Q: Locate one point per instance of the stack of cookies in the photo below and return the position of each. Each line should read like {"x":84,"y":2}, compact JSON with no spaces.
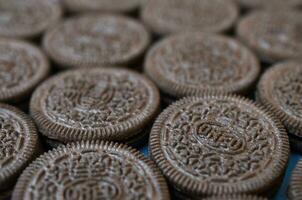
{"x":149,"y":99}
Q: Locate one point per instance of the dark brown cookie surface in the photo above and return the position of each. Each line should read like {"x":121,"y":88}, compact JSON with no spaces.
{"x":269,"y":3}
{"x":90,"y":40}
{"x":295,"y":186}
{"x":192,"y":63}
{"x":102,"y":5}
{"x":18,"y":144}
{"x":281,"y":89}
{"x":274,"y":34}
{"x":170,"y":16}
{"x":22,"y":68}
{"x":95,"y":103}
{"x":213,"y":145}
{"x":91,"y":170}
{"x":236,"y":197}
{"x":28,"y":18}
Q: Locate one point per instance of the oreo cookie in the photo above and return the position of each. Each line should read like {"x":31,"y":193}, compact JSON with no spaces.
{"x":280,"y":89}
{"x":275,"y":35}
{"x":91,"y":170}
{"x":121,"y":6}
{"x":18,"y":146}
{"x":22,"y":67}
{"x":96,"y":39}
{"x":237,"y":197}
{"x":295,"y":186}
{"x":269,"y":4}
{"x":219,"y":145}
{"x":190,"y":64}
{"x":171,"y":16}
{"x":28,"y":18}
{"x":95,"y":103}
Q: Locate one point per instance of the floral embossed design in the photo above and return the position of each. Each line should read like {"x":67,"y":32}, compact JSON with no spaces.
{"x":288,"y":92}
{"x":218,"y":141}
{"x":197,"y":61}
{"x":18,"y":65}
{"x":177,"y":15}
{"x":11,"y":138}
{"x":91,"y":174}
{"x":96,"y":99}
{"x":97,"y":39}
{"x":26,"y":16}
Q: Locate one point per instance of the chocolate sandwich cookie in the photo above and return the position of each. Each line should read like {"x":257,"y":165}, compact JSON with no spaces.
{"x":18,"y":145}
{"x":95,"y":103}
{"x":28,"y":18}
{"x":122,"y":6}
{"x":96,"y":39}
{"x":190,"y":64}
{"x":215,"y":144}
{"x":280,"y":89}
{"x":270,"y":3}
{"x":22,"y":67}
{"x":91,"y":170}
{"x":171,"y":16}
{"x":274,"y":35}
{"x":295,"y":186}
{"x":236,"y":197}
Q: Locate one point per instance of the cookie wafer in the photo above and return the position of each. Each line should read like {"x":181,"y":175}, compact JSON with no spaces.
{"x":280,"y":90}
{"x":237,"y":197}
{"x":18,"y":145}
{"x":96,"y":103}
{"x":275,"y":35}
{"x":22,"y":67}
{"x":91,"y":170}
{"x":96,"y":39}
{"x":123,"y":6}
{"x":28,"y":18}
{"x":172,"y":16}
{"x":295,"y":186}
{"x":192,"y":63}
{"x":216,"y":144}
{"x":269,"y":3}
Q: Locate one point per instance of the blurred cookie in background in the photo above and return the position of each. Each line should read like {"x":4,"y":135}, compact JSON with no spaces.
{"x":172,"y":16}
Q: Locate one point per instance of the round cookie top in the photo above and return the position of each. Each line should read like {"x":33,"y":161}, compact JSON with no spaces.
{"x":22,"y":67}
{"x":18,"y":144}
{"x":170,"y":16}
{"x":281,"y":88}
{"x":27,"y":18}
{"x":189,"y":64}
{"x":96,"y":39}
{"x":269,"y":4}
{"x":295,"y":185}
{"x":214,"y":144}
{"x":94,"y":103}
{"x":274,"y":34}
{"x":91,"y":170}
{"x":102,"y":5}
